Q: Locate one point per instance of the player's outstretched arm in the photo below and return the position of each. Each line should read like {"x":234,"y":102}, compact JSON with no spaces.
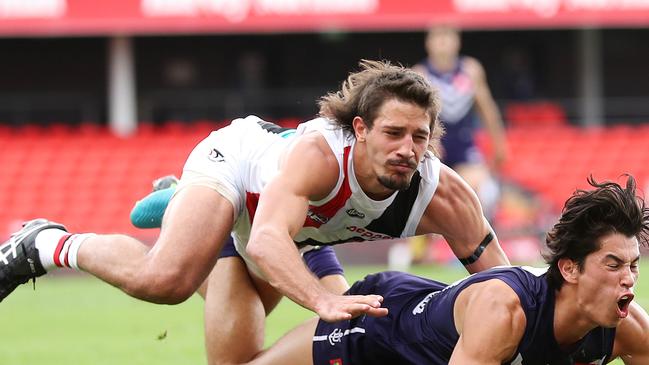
{"x":491,"y":323}
{"x":308,"y":172}
{"x":455,"y":213}
{"x":632,"y":337}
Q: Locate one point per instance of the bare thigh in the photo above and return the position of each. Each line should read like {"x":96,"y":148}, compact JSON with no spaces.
{"x":295,"y":348}
{"x":236,"y":306}
{"x":234,"y":314}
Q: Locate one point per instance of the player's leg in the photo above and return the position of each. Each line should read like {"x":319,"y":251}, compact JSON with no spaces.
{"x":170,"y":272}
{"x":478,"y":176}
{"x":234,"y":314}
{"x":182,"y":257}
{"x":295,"y":348}
{"x":237,"y":302}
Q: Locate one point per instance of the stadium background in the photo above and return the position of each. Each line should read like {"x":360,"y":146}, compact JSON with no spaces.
{"x":99,"y":98}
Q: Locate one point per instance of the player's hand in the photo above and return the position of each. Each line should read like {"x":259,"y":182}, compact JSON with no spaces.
{"x":333,"y":308}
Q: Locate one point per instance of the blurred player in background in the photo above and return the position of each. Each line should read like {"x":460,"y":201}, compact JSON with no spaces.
{"x":579,"y":310}
{"x":463,"y":88}
{"x":361,"y":172}
{"x":466,"y":101}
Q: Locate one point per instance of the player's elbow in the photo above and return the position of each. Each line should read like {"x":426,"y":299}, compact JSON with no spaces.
{"x":261,"y":241}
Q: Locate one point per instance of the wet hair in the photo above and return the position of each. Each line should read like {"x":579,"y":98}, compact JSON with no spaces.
{"x":589,"y":215}
{"x":365,"y":91}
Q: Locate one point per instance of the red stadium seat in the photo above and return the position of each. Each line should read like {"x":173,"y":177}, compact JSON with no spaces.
{"x":534,"y":114}
{"x":90,"y":179}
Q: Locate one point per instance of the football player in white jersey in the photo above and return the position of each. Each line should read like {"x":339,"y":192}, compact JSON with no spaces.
{"x":362,"y":171}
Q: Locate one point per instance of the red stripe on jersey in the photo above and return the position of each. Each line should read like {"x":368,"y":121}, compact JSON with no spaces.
{"x":252,"y":200}
{"x":59,"y":247}
{"x":318,"y":216}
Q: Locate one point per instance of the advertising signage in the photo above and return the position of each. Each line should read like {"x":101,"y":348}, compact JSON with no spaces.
{"x":103,"y":17}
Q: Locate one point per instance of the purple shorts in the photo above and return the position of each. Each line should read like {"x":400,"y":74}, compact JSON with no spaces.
{"x":321,"y":261}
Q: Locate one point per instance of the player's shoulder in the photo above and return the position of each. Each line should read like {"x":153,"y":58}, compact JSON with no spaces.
{"x":632,"y":335}
{"x":310,"y":163}
{"x":452,"y":186}
{"x":312,"y":146}
{"x":472,"y":66}
{"x":498,"y":292}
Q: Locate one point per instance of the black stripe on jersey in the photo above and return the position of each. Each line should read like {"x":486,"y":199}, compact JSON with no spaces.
{"x":272,"y":127}
{"x":394,"y":218}
{"x":312,"y":242}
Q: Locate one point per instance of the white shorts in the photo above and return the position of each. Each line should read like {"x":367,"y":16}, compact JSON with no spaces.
{"x":234,"y":160}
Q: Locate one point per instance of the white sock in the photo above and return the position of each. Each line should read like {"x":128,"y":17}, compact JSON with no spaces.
{"x":58,"y":248}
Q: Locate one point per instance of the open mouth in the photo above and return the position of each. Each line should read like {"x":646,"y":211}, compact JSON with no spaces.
{"x":623,"y":305}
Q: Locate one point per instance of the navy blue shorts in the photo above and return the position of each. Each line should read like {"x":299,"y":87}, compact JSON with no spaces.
{"x":369,"y":340}
{"x":321,"y":261}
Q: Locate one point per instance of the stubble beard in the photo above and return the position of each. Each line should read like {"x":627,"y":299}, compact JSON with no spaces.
{"x":400,"y":182}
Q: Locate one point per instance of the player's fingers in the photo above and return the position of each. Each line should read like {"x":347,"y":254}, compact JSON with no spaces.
{"x":371,"y":300}
{"x":357,"y":309}
{"x":377,"y":312}
{"x":336,"y":316}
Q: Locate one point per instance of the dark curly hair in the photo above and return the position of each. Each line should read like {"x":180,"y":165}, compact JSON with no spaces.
{"x":365,"y":91}
{"x":589,"y":215}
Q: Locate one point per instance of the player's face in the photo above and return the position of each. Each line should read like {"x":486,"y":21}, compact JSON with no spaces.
{"x":606,"y":282}
{"x":443,"y":42}
{"x":397,"y":143}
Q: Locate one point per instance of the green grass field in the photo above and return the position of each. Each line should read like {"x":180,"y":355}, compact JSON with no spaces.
{"x":79,"y":320}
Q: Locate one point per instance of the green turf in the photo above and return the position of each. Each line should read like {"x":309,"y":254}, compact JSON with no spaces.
{"x":79,"y":320}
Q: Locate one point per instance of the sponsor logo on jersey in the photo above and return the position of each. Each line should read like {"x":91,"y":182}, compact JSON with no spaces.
{"x":317,"y":217}
{"x":419,"y":308}
{"x":355,"y":213}
{"x":216,"y":155}
{"x":367,"y":234}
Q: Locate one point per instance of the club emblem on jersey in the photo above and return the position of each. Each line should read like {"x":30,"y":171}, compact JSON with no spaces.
{"x":335,"y":336}
{"x":355,"y":213}
{"x":317,"y":217}
{"x":336,"y":362}
{"x":216,"y":155}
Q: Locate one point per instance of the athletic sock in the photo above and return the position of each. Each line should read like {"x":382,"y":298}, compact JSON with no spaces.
{"x":58,"y":248}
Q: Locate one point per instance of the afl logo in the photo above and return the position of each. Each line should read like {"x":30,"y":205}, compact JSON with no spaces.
{"x":355,"y":213}
{"x":216,"y":156}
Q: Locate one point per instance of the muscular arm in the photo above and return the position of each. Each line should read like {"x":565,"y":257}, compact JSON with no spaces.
{"x":487,"y":109}
{"x":310,"y":172}
{"x":491,"y":323}
{"x":632,"y":337}
{"x":455,"y":213}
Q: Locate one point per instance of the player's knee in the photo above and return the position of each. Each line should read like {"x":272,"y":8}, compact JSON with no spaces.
{"x":162,"y":286}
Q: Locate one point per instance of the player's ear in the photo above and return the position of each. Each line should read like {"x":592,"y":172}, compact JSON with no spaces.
{"x":360,"y":129}
{"x":569,"y":270}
